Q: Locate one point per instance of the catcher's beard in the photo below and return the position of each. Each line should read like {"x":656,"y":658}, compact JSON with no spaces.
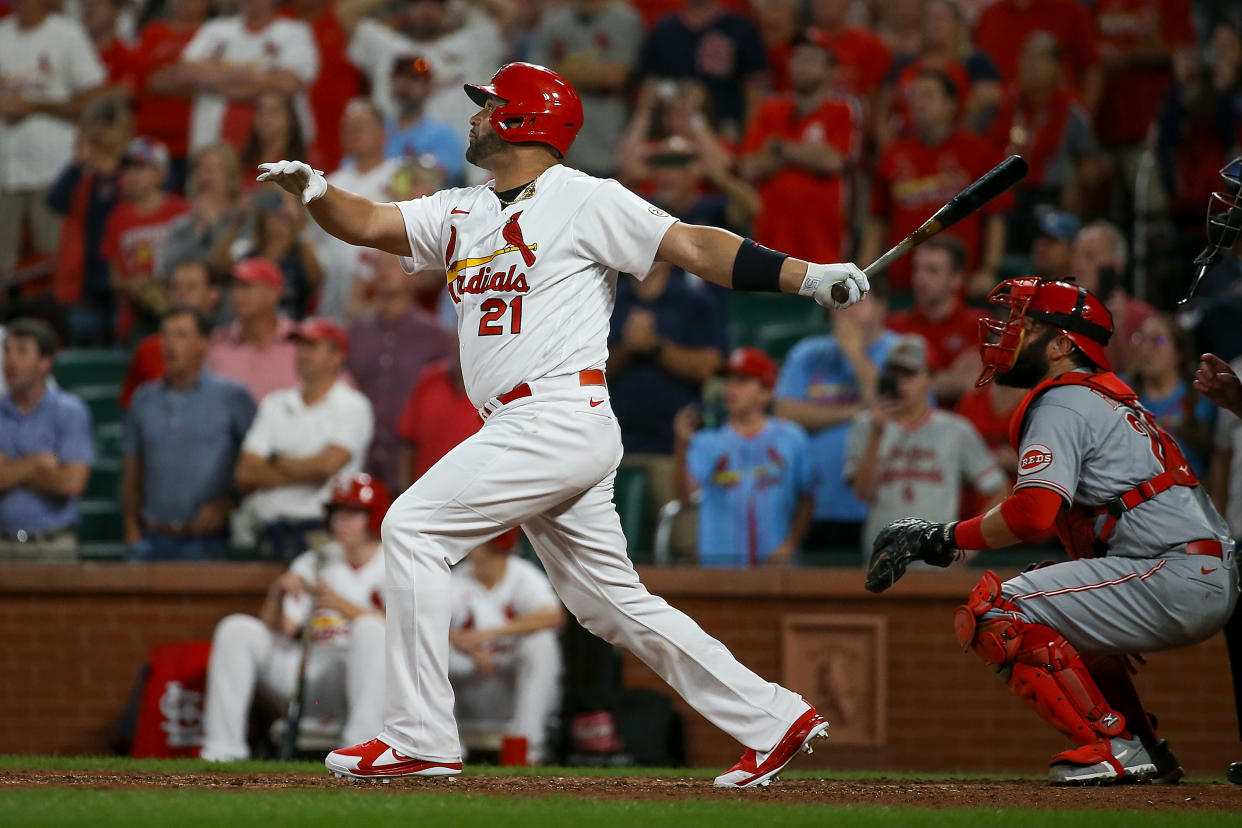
{"x":484,"y":147}
{"x":1031,"y":366}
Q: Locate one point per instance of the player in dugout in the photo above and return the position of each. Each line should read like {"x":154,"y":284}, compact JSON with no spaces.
{"x":1153,"y":561}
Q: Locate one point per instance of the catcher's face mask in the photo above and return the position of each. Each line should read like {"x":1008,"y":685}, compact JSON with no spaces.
{"x":999,"y":342}
{"x":1224,"y":221}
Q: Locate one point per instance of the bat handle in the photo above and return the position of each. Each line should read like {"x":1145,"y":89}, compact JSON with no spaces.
{"x":840,"y":293}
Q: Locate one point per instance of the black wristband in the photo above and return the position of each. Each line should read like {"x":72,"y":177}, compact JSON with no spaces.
{"x":757,"y":269}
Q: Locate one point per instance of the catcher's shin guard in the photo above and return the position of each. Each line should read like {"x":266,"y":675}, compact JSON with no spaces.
{"x":1040,"y":666}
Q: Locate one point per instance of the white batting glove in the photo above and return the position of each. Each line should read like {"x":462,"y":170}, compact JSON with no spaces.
{"x":820,"y":279}
{"x":295,"y":177}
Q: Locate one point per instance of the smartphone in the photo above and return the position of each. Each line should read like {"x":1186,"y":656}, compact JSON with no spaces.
{"x":886,"y":386}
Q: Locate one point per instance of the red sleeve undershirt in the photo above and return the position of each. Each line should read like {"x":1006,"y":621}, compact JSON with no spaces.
{"x":1029,"y":512}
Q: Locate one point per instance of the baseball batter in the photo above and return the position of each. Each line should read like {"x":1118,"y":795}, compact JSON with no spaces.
{"x":532,"y":260}
{"x":1154,"y":562}
{"x":343,"y":587}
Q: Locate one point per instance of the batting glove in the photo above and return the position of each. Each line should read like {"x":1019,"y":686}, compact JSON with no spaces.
{"x":821,"y":277}
{"x":905,"y":540}
{"x":295,"y":177}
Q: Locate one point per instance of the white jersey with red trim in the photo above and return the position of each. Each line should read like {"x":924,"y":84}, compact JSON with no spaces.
{"x":533,"y":283}
{"x":1090,"y":449}
{"x":362,"y":586}
{"x":523,"y":589}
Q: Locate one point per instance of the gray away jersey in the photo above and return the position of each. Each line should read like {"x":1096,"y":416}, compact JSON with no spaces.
{"x":1090,"y":449}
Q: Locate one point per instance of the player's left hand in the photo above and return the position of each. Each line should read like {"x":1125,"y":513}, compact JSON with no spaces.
{"x":1217,"y":381}
{"x":905,"y":540}
{"x":820,"y":279}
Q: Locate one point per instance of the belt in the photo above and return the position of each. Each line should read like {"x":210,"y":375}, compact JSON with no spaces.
{"x":1206,"y":547}
{"x":591,"y":376}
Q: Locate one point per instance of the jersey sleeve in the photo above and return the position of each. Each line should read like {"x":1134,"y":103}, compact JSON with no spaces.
{"x":855,"y":444}
{"x":372,"y":47}
{"x":259,"y":438}
{"x":84,"y":67}
{"x":619,"y":230}
{"x":300,"y":55}
{"x":203,"y":43}
{"x":423,"y":219}
{"x":1051,"y":451}
{"x":979,"y":468}
{"x":536,"y":592}
{"x":356,"y":425}
{"x":794,"y":377}
{"x":699,"y":457}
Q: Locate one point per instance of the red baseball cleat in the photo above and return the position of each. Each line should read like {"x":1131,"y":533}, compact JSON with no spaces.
{"x":377,"y":760}
{"x":758,"y":769}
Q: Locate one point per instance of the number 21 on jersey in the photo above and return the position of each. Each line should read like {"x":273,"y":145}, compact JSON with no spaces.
{"x":494,"y":312}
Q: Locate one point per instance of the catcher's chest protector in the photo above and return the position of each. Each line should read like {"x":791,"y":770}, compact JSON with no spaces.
{"x":1075,"y":524}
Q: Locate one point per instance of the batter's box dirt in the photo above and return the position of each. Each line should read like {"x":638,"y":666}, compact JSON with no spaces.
{"x":968,"y":793}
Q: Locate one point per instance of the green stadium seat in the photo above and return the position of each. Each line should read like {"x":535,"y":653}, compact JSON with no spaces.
{"x":105,"y":482}
{"x":847,"y":557}
{"x":108,"y":441}
{"x":777,"y":338}
{"x":749,"y":312}
{"x":104,"y":401}
{"x":101,"y":551}
{"x":630,"y":497}
{"x":102,"y":521}
{"x":78,"y":368}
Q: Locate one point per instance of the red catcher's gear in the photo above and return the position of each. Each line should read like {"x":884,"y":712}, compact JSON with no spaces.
{"x":1072,"y":310}
{"x":1040,"y":666}
{"x":362,"y":491}
{"x":538,"y":106}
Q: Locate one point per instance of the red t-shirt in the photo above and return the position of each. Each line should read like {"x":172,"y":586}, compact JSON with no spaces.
{"x":804,"y":214}
{"x":977,"y":406}
{"x":1004,"y":27}
{"x":1036,"y":132}
{"x":337,"y":83}
{"x":913,"y":180}
{"x":165,"y":118}
{"x":437,"y":416}
{"x":862,"y":60}
{"x":778,"y":66}
{"x":956,"y":70}
{"x":1132,"y":94}
{"x":146,"y":365}
{"x":133,"y":240}
{"x":947,"y":338}
{"x":121,"y":63}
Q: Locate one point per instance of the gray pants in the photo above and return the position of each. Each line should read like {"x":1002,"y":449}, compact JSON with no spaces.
{"x":55,"y":547}
{"x":1116,"y":605}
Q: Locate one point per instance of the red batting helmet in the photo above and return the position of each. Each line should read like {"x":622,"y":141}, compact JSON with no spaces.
{"x":1068,"y":308}
{"x":362,"y":491}
{"x":538,"y":106}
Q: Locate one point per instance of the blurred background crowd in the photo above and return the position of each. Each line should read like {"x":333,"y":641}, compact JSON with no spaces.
{"x":189,"y":362}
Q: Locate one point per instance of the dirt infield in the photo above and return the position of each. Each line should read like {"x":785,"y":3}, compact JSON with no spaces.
{"x":968,"y":793}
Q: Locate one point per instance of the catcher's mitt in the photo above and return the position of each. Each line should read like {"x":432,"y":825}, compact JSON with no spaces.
{"x":905,"y":540}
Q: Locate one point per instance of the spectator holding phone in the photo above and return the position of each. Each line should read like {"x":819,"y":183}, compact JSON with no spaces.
{"x":1098,"y":264}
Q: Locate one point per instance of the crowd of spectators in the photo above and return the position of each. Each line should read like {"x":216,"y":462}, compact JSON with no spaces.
{"x":268,"y":357}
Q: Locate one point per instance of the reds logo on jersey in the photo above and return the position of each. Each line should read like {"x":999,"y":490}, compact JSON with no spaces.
{"x":1036,"y":458}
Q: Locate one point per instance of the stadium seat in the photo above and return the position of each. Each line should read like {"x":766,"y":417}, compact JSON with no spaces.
{"x":836,"y":556}
{"x":108,"y":441}
{"x":102,"y":521}
{"x":105,"y":482}
{"x":101,"y":552}
{"x":777,"y":338}
{"x":104,"y":401}
{"x":630,"y":497}
{"x":79,"y":368}
{"x":749,"y":312}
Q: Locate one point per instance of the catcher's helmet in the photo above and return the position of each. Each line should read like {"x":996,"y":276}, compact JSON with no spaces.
{"x":1074,"y":311}
{"x":362,"y":491}
{"x":539,"y":106}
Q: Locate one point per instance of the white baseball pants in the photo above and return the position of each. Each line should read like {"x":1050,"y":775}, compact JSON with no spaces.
{"x":341,"y":682}
{"x":546,"y":462}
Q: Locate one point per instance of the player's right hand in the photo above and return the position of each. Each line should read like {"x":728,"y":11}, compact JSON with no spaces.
{"x":295,"y":177}
{"x":820,"y":279}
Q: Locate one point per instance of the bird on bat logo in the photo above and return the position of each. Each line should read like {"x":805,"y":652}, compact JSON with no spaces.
{"x":512,"y":233}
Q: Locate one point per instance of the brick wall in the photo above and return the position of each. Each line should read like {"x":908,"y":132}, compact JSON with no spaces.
{"x":75,"y":637}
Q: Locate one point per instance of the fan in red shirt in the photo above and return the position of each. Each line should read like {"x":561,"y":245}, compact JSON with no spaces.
{"x":1006,"y":24}
{"x":437,"y":416}
{"x":99,"y":18}
{"x":949,"y":326}
{"x":338,"y":82}
{"x":190,"y":285}
{"x":916,"y":175}
{"x":134,"y":236}
{"x":1139,"y":41}
{"x":862,"y":57}
{"x":162,"y":98}
{"x":797,"y":151}
{"x":989,"y":409}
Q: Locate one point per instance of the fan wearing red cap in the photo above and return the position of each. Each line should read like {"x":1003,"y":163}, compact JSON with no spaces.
{"x":531,"y":262}
{"x":752,"y":475}
{"x":336,"y":595}
{"x":505,"y":664}
{"x":1152,"y":559}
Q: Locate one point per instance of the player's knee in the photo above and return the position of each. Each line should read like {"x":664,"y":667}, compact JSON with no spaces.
{"x":237,"y":629}
{"x":994,"y":638}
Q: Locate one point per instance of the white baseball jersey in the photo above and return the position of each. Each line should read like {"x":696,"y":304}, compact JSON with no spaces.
{"x":522,"y":590}
{"x":533,"y":283}
{"x":363,"y":587}
{"x":281,"y":44}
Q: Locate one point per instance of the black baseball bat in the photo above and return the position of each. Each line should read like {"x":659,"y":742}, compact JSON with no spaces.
{"x":989,"y":185}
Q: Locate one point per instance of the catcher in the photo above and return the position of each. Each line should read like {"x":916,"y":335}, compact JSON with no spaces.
{"x":1153,"y":562}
